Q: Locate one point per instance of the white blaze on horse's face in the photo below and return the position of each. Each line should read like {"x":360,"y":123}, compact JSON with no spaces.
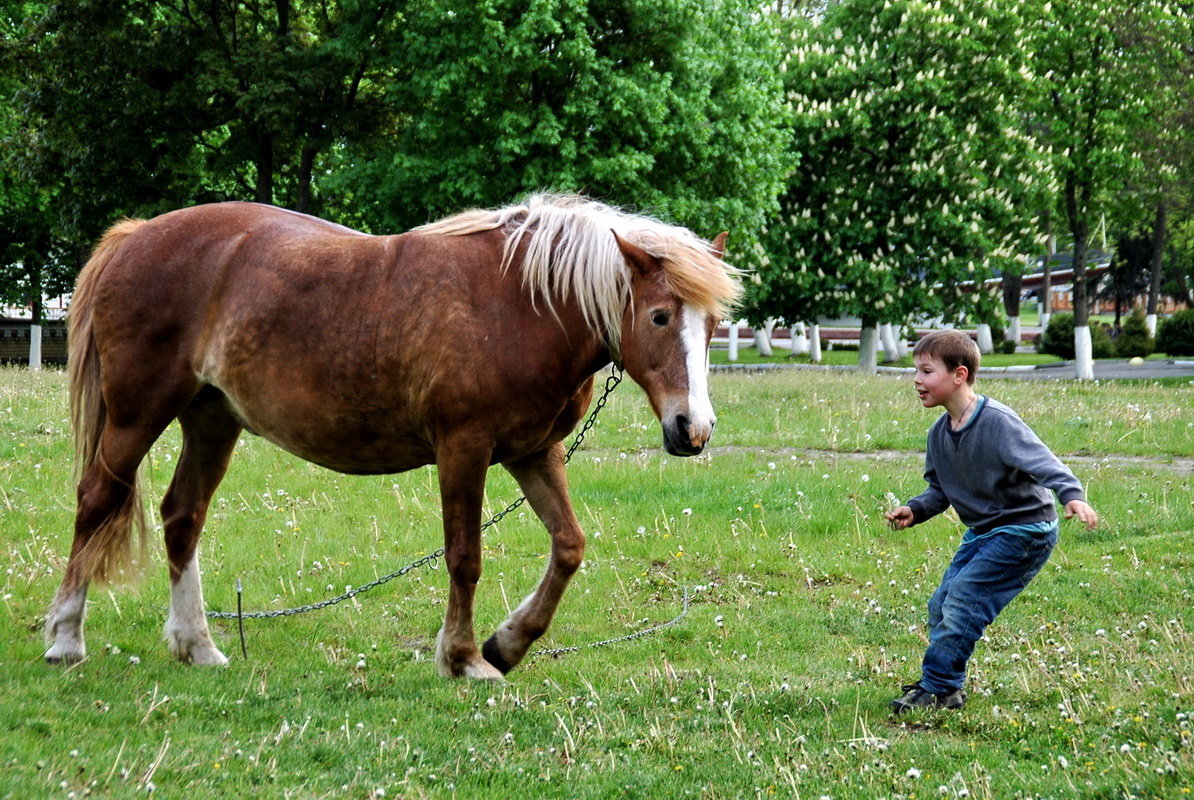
{"x":695,"y":333}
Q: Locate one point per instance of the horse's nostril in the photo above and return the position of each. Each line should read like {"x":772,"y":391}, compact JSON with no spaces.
{"x":682,"y":423}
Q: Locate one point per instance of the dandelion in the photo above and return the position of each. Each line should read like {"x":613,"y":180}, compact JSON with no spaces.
{"x":912,"y":773}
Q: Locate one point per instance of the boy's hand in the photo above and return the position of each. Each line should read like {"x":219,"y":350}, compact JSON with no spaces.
{"x":900,"y":518}
{"x":1083,"y":511}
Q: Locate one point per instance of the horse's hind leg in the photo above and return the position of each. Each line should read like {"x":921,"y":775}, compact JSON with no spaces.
{"x":209,"y":434}
{"x":545,"y":485}
{"x":108,"y":507}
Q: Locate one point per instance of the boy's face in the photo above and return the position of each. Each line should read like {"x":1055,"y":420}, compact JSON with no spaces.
{"x":936,"y":384}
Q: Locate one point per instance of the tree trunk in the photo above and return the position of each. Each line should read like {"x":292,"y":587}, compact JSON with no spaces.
{"x":264,"y":190}
{"x":302,"y":200}
{"x":733,"y":345}
{"x":763,"y":338}
{"x":1083,"y":358}
{"x":1154,"y":283}
{"x":983,"y":335}
{"x":799,"y":340}
{"x":814,"y":343}
{"x":868,"y":340}
{"x":888,"y":338}
{"x":1047,"y":275}
{"x":35,"y":292}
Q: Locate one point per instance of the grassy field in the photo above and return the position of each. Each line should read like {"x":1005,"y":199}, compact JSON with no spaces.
{"x":806,"y":615}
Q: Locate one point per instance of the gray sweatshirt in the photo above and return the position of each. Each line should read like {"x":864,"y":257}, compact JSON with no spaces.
{"x":994,"y":472}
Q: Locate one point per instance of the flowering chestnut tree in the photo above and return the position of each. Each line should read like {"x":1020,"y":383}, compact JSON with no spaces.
{"x":916,"y":175}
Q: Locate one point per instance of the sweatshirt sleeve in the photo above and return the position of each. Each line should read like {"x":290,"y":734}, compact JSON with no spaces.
{"x":932,"y":500}
{"x":1023,"y":450}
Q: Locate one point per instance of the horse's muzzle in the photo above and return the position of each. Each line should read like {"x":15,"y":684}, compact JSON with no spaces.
{"x":679,"y":438}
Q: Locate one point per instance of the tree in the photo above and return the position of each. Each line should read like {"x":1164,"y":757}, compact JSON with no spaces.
{"x":1099,"y":68}
{"x":139,"y":106}
{"x":666,"y":105}
{"x":914,"y":172}
{"x":33,"y":261}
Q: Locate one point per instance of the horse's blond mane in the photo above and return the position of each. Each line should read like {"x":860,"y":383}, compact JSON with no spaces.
{"x":571,"y":253}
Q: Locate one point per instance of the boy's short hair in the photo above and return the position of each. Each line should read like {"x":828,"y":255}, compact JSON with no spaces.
{"x":954,"y":348}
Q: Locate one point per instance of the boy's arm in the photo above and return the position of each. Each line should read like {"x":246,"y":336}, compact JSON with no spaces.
{"x":929,"y":503}
{"x":1023,"y":449}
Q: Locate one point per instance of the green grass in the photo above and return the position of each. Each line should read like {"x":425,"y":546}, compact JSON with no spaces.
{"x":806,"y":615}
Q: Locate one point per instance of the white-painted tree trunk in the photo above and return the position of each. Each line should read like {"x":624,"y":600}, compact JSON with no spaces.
{"x":868,"y":350}
{"x":35,"y":347}
{"x":763,"y":338}
{"x":733,"y":345}
{"x":814,"y":343}
{"x":1150,"y":320}
{"x":1083,"y":353}
{"x":887,"y":336}
{"x":985,"y":343}
{"x":799,"y":340}
{"x":1045,"y":321}
{"x":1013,"y":329}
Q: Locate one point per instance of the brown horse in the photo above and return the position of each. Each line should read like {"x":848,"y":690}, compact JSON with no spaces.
{"x":464,"y":343}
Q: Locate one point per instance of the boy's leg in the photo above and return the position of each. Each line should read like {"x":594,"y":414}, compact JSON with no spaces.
{"x":992,"y":576}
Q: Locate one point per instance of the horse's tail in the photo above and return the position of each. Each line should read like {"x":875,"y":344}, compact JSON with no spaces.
{"x":107,"y":552}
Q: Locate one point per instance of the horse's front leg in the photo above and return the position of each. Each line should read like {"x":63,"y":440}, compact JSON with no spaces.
{"x":545,"y":485}
{"x":462,"y":485}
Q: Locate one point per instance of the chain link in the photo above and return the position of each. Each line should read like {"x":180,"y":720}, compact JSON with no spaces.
{"x":611,"y":383}
{"x":556,"y":652}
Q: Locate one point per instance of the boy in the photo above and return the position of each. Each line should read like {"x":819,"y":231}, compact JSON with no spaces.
{"x":1000,"y":478}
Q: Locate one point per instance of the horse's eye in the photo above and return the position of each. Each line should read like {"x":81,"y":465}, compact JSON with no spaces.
{"x":660,"y":318}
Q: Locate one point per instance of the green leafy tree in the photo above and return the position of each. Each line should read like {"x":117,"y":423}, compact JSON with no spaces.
{"x":139,"y":106}
{"x":33,"y":261}
{"x":915,"y":177}
{"x":665,"y":105}
{"x":1101,"y":70}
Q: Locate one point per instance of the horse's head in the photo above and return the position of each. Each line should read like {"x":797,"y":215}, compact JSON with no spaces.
{"x":664,"y":346}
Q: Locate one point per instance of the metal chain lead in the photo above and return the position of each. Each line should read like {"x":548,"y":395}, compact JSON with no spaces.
{"x":555,"y":652}
{"x":611,"y":383}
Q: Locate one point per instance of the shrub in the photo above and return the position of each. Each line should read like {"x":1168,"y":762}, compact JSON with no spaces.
{"x":1175,"y":335}
{"x":1058,"y":338}
{"x":1134,"y":339}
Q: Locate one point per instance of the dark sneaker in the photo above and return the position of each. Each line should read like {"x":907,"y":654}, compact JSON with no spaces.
{"x":917,"y":697}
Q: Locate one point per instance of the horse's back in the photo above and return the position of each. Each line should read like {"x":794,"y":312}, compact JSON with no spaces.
{"x":296,"y":320}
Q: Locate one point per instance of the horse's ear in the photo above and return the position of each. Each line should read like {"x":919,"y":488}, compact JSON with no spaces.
{"x":718,"y":245}
{"x":641,"y":262}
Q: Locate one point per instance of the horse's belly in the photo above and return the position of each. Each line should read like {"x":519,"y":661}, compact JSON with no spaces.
{"x":337,"y":438}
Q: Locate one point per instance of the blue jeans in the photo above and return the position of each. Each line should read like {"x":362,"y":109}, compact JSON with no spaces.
{"x":984,"y":576}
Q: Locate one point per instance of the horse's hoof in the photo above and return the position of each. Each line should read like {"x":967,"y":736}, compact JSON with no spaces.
{"x":483,"y":671}
{"x":208,"y":658}
{"x":197,"y":653}
{"x":493,"y":654}
{"x":64,"y":657}
{"x":477,"y":670}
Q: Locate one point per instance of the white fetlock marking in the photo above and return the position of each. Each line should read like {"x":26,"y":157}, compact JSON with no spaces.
{"x":509,"y":639}
{"x":187,"y":633}
{"x":64,"y":627}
